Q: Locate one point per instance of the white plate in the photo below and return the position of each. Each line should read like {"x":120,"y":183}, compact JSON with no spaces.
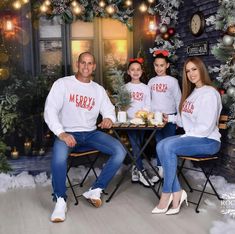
{"x":152,"y":121}
{"x":137,"y":121}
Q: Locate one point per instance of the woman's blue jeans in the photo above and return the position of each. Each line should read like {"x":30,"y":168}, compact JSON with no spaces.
{"x":136,"y":138}
{"x":170,"y":148}
{"x":168,"y":131}
{"x":90,"y":140}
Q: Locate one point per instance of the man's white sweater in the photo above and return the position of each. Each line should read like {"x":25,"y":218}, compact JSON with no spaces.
{"x":73,"y":106}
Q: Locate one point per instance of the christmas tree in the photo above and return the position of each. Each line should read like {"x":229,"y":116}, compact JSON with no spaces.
{"x":224,"y":51}
{"x":120,"y":96}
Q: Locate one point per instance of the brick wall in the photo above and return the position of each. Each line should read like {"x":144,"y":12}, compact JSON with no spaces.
{"x":208,"y":8}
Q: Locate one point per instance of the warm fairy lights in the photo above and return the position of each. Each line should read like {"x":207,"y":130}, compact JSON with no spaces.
{"x":102,"y":3}
{"x":128,"y":3}
{"x":17,"y":5}
{"x":77,"y":9}
{"x":47,"y":3}
{"x":74,"y":3}
{"x":110,"y":9}
{"x":143,"y":7}
{"x":43,"y":8}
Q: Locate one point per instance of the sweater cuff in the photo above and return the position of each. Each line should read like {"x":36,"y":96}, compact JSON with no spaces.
{"x":171,"y":118}
{"x":58,"y":132}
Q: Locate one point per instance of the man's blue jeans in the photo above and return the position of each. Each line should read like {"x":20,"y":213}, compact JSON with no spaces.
{"x":168,"y":131}
{"x":170,"y":148}
{"x":90,"y":140}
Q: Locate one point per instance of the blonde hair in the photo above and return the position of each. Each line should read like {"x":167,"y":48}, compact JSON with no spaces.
{"x":187,"y":86}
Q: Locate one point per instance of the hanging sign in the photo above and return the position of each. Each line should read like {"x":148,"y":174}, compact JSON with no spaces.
{"x":198,"y":48}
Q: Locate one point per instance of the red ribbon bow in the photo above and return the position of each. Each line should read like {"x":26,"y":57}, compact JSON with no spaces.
{"x":163,"y":52}
{"x":139,"y":60}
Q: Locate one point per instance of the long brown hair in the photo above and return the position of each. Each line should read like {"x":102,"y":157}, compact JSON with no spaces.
{"x":187,"y":86}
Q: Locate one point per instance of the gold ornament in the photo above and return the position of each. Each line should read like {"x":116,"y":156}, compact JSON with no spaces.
{"x":4,"y":73}
{"x":231,"y":30}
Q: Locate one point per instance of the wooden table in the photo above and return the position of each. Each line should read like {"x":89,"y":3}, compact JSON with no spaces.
{"x":120,"y":127}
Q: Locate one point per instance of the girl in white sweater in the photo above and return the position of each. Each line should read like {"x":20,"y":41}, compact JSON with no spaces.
{"x":165,"y":96}
{"x":200,"y":109}
{"x":140,"y":99}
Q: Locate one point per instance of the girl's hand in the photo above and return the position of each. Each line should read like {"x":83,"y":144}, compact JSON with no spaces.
{"x":165,"y":117}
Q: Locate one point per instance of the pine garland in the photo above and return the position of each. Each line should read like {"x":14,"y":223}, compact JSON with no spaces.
{"x":89,"y":10}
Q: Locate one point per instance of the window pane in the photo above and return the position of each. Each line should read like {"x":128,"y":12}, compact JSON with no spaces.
{"x":112,"y":29}
{"x":49,"y":28}
{"x":115,"y":55}
{"x":50,"y":56}
{"x":115,"y":51}
{"x":77,"y":48}
{"x":80,"y":29}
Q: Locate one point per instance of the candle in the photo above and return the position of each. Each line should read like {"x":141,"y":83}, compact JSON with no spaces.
{"x":41,"y":151}
{"x":27,"y":146}
{"x":14,"y":153}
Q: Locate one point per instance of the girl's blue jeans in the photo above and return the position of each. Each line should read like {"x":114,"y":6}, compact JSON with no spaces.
{"x":170,"y":148}
{"x":136,"y":138}
{"x":86,"y":140}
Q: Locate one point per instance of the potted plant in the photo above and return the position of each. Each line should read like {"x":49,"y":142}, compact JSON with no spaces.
{"x":120,"y":96}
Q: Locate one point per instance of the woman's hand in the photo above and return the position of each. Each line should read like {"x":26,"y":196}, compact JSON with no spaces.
{"x":68,"y":139}
{"x":106,"y":123}
{"x":165,"y":117}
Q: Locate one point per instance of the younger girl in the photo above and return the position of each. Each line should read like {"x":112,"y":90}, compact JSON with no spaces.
{"x":165,"y":95}
{"x":140,"y":99}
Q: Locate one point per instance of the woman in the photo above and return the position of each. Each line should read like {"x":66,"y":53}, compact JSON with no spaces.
{"x":199,"y":109}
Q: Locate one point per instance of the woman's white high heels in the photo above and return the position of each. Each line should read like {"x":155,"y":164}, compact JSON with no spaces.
{"x":182,"y":199}
{"x":162,"y":211}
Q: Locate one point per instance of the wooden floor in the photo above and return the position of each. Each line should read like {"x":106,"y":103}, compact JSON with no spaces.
{"x":27,"y":211}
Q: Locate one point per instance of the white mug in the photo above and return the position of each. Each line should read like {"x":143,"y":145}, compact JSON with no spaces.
{"x":121,"y":116}
{"x":158,"y":116}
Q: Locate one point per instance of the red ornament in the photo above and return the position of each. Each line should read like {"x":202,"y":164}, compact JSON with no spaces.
{"x":171,"y":31}
{"x":221,"y":91}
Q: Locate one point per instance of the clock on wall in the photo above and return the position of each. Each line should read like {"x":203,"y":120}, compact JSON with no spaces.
{"x":197,"y":23}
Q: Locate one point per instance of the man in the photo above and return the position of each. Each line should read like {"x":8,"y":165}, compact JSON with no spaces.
{"x":71,"y":112}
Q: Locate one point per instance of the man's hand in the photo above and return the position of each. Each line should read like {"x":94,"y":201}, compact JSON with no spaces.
{"x":68,"y":139}
{"x":106,"y":123}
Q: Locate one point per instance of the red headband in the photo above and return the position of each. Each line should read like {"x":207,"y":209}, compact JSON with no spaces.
{"x":138,"y":60}
{"x":163,"y":52}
